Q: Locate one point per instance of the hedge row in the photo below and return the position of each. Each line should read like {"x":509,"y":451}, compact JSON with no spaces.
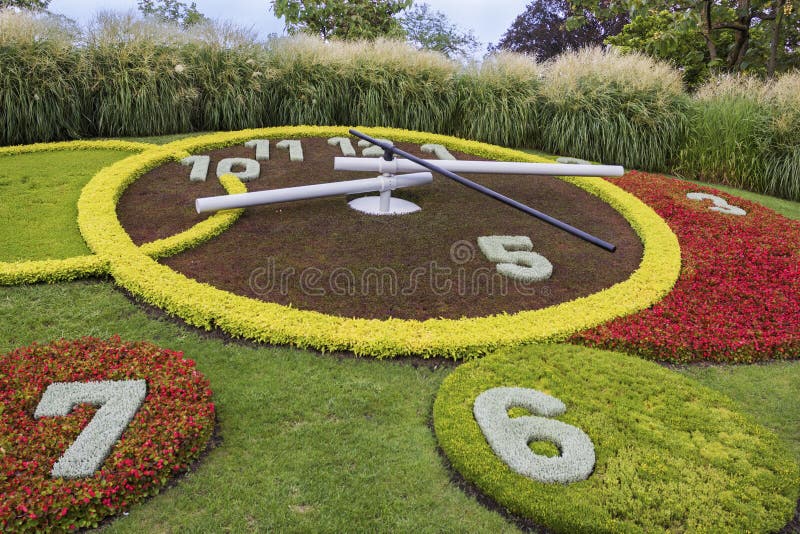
{"x":127,"y":76}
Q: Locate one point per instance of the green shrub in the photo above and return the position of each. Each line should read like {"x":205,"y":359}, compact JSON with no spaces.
{"x":225,"y":64}
{"x":303,"y":83}
{"x":41,"y":79}
{"x":604,"y":106}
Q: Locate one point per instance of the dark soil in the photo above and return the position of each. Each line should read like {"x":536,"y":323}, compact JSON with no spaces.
{"x":321,"y":255}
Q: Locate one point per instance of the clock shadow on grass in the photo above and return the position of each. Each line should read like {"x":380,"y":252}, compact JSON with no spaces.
{"x":321,"y":255}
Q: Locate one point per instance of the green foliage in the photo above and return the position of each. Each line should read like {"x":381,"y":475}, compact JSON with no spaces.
{"x":25,"y":4}
{"x":431,"y":30}
{"x":605,"y":106}
{"x":172,"y":11}
{"x":342,"y":19}
{"x":654,"y":35}
{"x":752,"y":36}
{"x":671,"y":455}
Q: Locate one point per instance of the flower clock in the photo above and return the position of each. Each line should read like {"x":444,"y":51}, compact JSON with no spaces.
{"x":91,"y":426}
{"x":570,"y":437}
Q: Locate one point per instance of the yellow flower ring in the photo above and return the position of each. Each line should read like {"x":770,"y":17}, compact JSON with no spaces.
{"x":207,"y":307}
{"x":60,"y":270}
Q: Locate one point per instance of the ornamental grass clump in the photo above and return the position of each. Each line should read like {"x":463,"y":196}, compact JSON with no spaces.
{"x":303,"y":82}
{"x":605,"y":106}
{"x":782,"y":159}
{"x":395,"y":85}
{"x":497,"y":100}
{"x":383,"y":82}
{"x":140,"y":84}
{"x":726,"y":141}
{"x":41,"y":79}
{"x":225,"y":66}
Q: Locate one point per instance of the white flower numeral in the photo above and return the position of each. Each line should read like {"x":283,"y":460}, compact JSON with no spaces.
{"x":344,"y":145}
{"x":262,"y":148}
{"x":514,"y":257}
{"x":294,"y":147}
{"x":118,"y":401}
{"x":199,"y":167}
{"x":437,"y":150}
{"x":372,"y":151}
{"x":509,"y":437}
{"x":252,"y":169}
{"x":720,"y":204}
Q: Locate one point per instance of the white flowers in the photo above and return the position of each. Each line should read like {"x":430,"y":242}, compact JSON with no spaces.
{"x":179,"y":68}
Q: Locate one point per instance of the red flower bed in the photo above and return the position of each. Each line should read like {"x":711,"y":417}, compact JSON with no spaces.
{"x":738,"y":295}
{"x":169,"y":431}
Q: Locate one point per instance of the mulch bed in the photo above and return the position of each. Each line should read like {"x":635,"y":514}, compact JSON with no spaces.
{"x":321,"y":255}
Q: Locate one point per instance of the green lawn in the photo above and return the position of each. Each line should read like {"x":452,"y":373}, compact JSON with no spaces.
{"x":39,"y":208}
{"x":310,"y":442}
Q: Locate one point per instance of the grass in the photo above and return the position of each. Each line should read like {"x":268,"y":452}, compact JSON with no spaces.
{"x":312,"y":442}
{"x":39,"y":218}
{"x":768,"y":392}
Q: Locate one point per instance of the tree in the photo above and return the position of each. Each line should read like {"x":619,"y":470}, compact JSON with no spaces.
{"x":737,"y":35}
{"x":172,"y":11}
{"x":431,"y":30}
{"x":34,"y":5}
{"x":542,"y":29}
{"x":342,"y":19}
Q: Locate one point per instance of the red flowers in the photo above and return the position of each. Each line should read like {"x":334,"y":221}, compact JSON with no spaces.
{"x":178,"y":403}
{"x":738,"y":296}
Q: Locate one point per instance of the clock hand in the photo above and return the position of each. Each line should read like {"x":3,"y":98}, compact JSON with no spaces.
{"x":390,"y":151}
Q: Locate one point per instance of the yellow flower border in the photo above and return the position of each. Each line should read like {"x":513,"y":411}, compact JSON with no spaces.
{"x":62,"y":270}
{"x":207,"y":307}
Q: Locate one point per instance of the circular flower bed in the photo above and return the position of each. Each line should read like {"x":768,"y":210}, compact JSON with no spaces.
{"x":168,"y":431}
{"x":738,"y":295}
{"x":209,"y":307}
{"x":668,"y":453}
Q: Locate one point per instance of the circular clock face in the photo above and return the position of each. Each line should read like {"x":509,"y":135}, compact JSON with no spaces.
{"x":321,"y":255}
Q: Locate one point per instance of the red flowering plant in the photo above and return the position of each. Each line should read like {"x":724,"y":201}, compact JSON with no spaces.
{"x":169,"y":430}
{"x":738,"y":296}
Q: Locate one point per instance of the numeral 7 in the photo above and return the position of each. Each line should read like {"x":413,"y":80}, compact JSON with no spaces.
{"x":118,"y":400}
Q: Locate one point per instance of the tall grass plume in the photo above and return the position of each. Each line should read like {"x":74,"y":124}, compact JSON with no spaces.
{"x":41,"y":79}
{"x":605,"y":106}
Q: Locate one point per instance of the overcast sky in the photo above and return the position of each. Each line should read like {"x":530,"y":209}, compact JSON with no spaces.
{"x":489,"y":19}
